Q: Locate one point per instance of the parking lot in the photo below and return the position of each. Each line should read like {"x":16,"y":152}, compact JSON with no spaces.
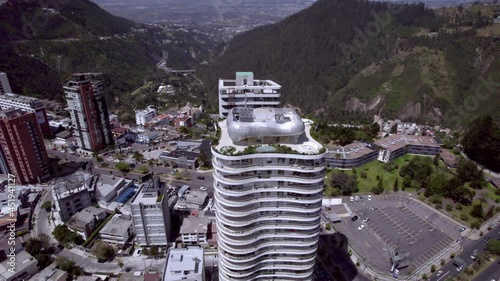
{"x":397,"y":222}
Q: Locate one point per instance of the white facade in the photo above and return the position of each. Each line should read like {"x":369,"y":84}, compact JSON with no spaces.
{"x":151,"y":216}
{"x":142,"y":117}
{"x":4,"y":84}
{"x":268,"y":191}
{"x":185,"y":264}
{"x":24,"y":103}
{"x":194,"y":231}
{"x":117,"y":231}
{"x":244,"y":91}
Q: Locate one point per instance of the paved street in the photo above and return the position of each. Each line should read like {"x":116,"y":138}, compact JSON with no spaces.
{"x":41,"y":219}
{"x":469,"y":246}
{"x":131,"y":264}
{"x":492,"y":273}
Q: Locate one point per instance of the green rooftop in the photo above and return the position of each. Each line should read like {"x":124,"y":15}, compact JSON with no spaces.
{"x":244,"y":73}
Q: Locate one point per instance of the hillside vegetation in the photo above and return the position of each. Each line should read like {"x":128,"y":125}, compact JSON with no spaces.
{"x":347,"y":60}
{"x":79,"y":36}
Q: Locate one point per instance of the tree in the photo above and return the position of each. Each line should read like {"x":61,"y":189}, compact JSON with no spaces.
{"x":493,"y":246}
{"x":138,"y":156}
{"x":145,"y":251}
{"x":44,"y":260}
{"x":468,"y":172}
{"x":64,"y":235}
{"x":69,"y":266}
{"x":380,"y":186}
{"x":394,"y":129}
{"x":396,"y":185}
{"x":154,"y":251}
{"x":122,"y":167}
{"x":34,"y":246}
{"x":328,"y":227}
{"x":406,"y":182}
{"x":347,"y":184}
{"x":477,"y":211}
{"x":481,"y":143}
{"x":489,"y":213}
{"x":103,"y":251}
{"x":47,"y":205}
{"x":436,"y":159}
{"x":203,"y":158}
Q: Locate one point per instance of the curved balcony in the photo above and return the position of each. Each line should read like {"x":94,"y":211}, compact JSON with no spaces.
{"x":245,"y":221}
{"x":257,"y":245}
{"x":244,"y":231}
{"x":268,"y":275}
{"x":291,"y":233}
{"x":288,"y":251}
{"x":264,"y":167}
{"x":266,"y":178}
{"x":239,"y":190}
{"x":304,"y":258}
{"x":288,"y":266}
{"x":243,"y":213}
{"x":255,"y":202}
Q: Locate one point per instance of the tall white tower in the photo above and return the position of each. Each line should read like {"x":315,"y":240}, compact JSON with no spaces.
{"x":268,"y":179}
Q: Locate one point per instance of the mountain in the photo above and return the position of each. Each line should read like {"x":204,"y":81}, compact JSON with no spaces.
{"x":42,"y":46}
{"x":346,"y":60}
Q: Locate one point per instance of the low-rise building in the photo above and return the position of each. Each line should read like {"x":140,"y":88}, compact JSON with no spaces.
{"x":350,"y":156}
{"x":143,"y":117}
{"x":51,"y":273}
{"x":163,"y":119}
{"x":184,"y":121}
{"x":194,"y":230}
{"x":185,"y":264}
{"x":181,"y":158}
{"x":85,"y":221}
{"x":148,"y":136}
{"x":117,"y":231}
{"x":192,"y":200}
{"x":397,"y":145}
{"x":25,"y":267}
{"x":108,"y":187}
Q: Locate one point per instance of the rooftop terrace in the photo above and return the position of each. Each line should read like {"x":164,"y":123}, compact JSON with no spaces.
{"x":352,"y":151}
{"x":261,"y":130}
{"x":395,"y":142}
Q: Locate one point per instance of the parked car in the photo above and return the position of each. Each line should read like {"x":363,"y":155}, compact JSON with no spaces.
{"x":351,"y":199}
{"x":203,"y":188}
{"x":374,"y":208}
{"x":486,"y":239}
{"x":360,"y":198}
{"x":200,"y":177}
{"x":366,"y":220}
{"x":361,"y":227}
{"x":356,"y":198}
{"x":354,"y":218}
{"x":369,"y":197}
{"x":462,"y":229}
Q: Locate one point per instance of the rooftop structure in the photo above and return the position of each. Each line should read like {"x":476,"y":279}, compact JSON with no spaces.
{"x":108,"y":187}
{"x":26,"y":266}
{"x":51,"y":273}
{"x":245,"y":91}
{"x":71,"y":194}
{"x":268,"y":180}
{"x":265,"y":127}
{"x":85,"y":221}
{"x":194,"y":230}
{"x":186,"y":264}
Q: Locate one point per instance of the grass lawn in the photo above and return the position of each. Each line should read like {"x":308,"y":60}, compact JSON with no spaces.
{"x":491,"y":193}
{"x":373,"y":169}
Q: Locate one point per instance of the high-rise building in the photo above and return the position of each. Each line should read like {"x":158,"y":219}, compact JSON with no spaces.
{"x":89,"y":113}
{"x":22,"y":146}
{"x":268,"y":180}
{"x":72,"y":194}
{"x":244,"y":91}
{"x":4,"y":84}
{"x":28,"y":104}
{"x":151,"y":214}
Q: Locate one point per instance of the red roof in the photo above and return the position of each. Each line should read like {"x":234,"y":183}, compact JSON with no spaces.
{"x":119,"y":130}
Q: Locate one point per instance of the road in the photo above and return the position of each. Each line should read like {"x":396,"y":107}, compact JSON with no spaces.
{"x":492,"y":273}
{"x":469,"y":246}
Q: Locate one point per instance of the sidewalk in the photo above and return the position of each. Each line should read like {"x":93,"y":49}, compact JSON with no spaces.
{"x":493,"y":222}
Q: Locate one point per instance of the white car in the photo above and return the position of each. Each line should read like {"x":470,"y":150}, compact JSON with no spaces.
{"x":361,"y":227}
{"x":369,"y":197}
{"x":351,"y":199}
{"x":203,"y":188}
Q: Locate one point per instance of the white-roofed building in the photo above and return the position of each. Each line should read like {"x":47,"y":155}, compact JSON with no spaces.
{"x":186,"y":264}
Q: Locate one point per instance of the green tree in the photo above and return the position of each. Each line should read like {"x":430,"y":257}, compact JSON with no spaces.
{"x":436,"y":159}
{"x":328,"y":227}
{"x":379,"y":188}
{"x":153,"y":251}
{"x":493,"y":247}
{"x":34,"y":246}
{"x":489,"y":213}
{"x":103,"y":251}
{"x":406,"y":182}
{"x":477,"y":211}
{"x":122,"y":167}
{"x":348,"y":184}
{"x":138,"y":156}
{"x":203,"y":159}
{"x":396,"y":185}
{"x":64,"y":235}
{"x":145,"y":252}
{"x":47,"y":205}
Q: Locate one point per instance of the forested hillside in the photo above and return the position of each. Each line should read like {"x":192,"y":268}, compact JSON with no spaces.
{"x":81,"y":37}
{"x":346,"y":60}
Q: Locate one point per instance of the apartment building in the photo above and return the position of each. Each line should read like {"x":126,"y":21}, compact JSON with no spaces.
{"x":268,"y":179}
{"x":22,"y":149}
{"x":28,"y":104}
{"x":85,"y":221}
{"x":352,"y":155}
{"x":142,"y":117}
{"x":151,"y":216}
{"x":245,"y":91}
{"x":89,"y":113}
{"x":71,"y":194}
